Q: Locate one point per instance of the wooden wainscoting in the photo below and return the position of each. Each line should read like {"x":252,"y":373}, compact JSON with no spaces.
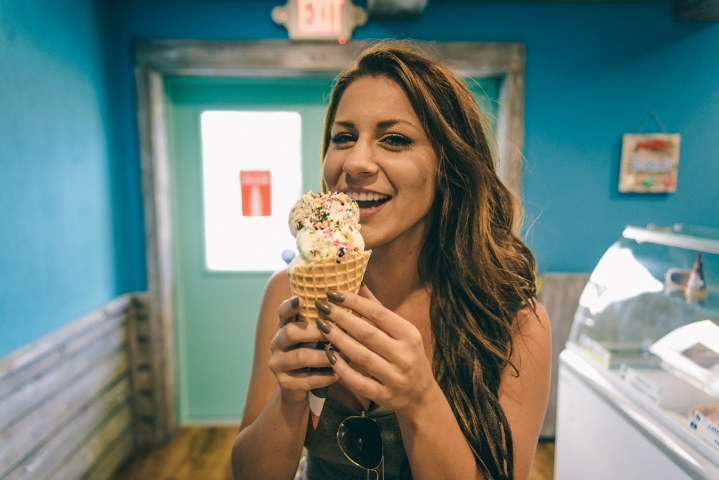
{"x":66,"y":400}
{"x":559,"y":295}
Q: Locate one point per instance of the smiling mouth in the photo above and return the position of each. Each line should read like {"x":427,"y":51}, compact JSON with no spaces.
{"x":366,"y":204}
{"x":369,"y":200}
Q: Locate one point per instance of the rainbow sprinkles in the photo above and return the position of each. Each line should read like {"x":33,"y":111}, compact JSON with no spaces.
{"x":325,"y":226}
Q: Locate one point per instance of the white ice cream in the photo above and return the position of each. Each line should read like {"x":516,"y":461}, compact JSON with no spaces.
{"x":325,"y":226}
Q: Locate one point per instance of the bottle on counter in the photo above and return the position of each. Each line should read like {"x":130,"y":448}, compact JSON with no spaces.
{"x":696,"y":291}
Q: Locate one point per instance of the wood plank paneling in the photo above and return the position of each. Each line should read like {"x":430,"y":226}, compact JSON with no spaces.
{"x":58,"y":376}
{"x":30,"y":353}
{"x":81,"y":463}
{"x":54,"y":453}
{"x":67,"y":398}
{"x":34,"y":429}
{"x":144,"y":400}
{"x":112,"y":458}
{"x":560,"y":297}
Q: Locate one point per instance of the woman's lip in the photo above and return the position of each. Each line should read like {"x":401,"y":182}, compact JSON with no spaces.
{"x":369,"y":212}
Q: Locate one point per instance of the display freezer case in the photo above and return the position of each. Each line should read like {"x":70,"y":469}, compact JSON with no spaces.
{"x":638,"y":394}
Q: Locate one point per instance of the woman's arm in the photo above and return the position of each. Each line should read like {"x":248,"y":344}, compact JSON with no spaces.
{"x":524,"y":397}
{"x":391,"y":350}
{"x":276,"y":408}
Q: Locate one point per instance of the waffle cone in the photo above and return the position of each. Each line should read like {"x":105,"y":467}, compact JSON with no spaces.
{"x":312,"y":281}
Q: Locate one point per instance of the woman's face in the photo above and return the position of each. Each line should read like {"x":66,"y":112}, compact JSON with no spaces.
{"x":380,"y":156}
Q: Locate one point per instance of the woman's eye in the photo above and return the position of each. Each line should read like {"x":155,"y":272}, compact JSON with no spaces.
{"x":397,"y":141}
{"x":341,"y":139}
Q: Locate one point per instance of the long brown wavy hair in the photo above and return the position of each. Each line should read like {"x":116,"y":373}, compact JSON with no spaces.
{"x":480,"y":273}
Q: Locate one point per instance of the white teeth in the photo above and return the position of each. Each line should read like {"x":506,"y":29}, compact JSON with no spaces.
{"x":366,"y":196}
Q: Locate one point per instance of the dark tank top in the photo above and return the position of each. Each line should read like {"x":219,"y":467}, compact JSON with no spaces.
{"x":324,"y":459}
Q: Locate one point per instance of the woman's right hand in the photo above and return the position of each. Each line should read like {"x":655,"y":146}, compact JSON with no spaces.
{"x":296,"y":367}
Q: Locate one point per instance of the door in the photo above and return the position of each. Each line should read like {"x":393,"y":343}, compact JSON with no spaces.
{"x":219,"y":275}
{"x":241,"y":151}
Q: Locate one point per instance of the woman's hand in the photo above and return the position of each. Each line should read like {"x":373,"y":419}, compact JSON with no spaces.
{"x":385,"y":345}
{"x":295,"y":367}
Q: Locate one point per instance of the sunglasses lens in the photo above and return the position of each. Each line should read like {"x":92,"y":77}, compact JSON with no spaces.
{"x":360,"y":440}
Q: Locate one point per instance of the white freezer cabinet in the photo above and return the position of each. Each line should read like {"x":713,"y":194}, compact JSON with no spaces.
{"x":638,"y":394}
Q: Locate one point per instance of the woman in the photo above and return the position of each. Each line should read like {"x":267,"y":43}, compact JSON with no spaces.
{"x":447,"y":347}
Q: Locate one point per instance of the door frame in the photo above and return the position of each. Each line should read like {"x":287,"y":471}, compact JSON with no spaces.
{"x":154,"y":374}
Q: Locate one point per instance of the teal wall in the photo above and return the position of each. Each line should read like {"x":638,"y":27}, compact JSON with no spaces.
{"x":594,"y":70}
{"x":57,"y":257}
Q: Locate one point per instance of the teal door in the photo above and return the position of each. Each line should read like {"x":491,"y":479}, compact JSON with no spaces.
{"x":240,"y":150}
{"x":216,"y":305}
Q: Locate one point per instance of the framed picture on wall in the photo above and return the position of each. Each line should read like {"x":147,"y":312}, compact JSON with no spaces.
{"x":649,"y":163}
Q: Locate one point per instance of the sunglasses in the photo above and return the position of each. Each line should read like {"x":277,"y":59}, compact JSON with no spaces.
{"x":360,"y":440}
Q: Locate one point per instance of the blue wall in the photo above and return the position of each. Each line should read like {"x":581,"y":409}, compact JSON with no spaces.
{"x":56,"y":235}
{"x":594,"y":70}
{"x":71,"y":225}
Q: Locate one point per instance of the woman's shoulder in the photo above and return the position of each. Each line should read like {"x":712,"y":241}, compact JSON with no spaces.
{"x":277,"y":290}
{"x":279,"y":282}
{"x":533,"y":316}
{"x":532,"y":331}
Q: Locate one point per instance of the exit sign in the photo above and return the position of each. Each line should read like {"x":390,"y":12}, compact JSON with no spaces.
{"x":320,"y":17}
{"x":331,"y":20}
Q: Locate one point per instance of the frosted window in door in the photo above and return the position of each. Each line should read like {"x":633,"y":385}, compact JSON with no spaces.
{"x":253,"y":158}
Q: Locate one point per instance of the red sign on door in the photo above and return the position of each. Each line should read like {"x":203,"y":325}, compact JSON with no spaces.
{"x":256,"y":193}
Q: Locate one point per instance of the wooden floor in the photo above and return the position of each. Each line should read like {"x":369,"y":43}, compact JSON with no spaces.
{"x":543,"y":466}
{"x":204,"y":453}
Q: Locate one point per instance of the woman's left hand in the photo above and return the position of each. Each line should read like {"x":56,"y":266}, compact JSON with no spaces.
{"x":385,"y":345}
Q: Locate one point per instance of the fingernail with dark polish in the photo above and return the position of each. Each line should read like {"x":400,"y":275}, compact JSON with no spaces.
{"x":295,"y":301}
{"x":323,"y":307}
{"x":335,"y":297}
{"x":323,"y":326}
{"x":330,"y":356}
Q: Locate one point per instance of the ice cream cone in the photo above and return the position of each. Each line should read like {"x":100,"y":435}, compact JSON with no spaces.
{"x":312,"y":281}
{"x":331,"y":258}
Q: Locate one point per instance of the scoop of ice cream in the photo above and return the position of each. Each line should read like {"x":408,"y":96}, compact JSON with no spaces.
{"x":325,"y":226}
{"x":324,"y":240}
{"x":313,"y":208}
{"x":329,"y":242}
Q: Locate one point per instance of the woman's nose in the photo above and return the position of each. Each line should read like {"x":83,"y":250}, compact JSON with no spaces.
{"x":360,"y":161}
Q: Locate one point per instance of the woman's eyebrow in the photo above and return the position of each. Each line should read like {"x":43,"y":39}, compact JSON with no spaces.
{"x":345,"y":124}
{"x":381,"y":125}
{"x":385,"y":124}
